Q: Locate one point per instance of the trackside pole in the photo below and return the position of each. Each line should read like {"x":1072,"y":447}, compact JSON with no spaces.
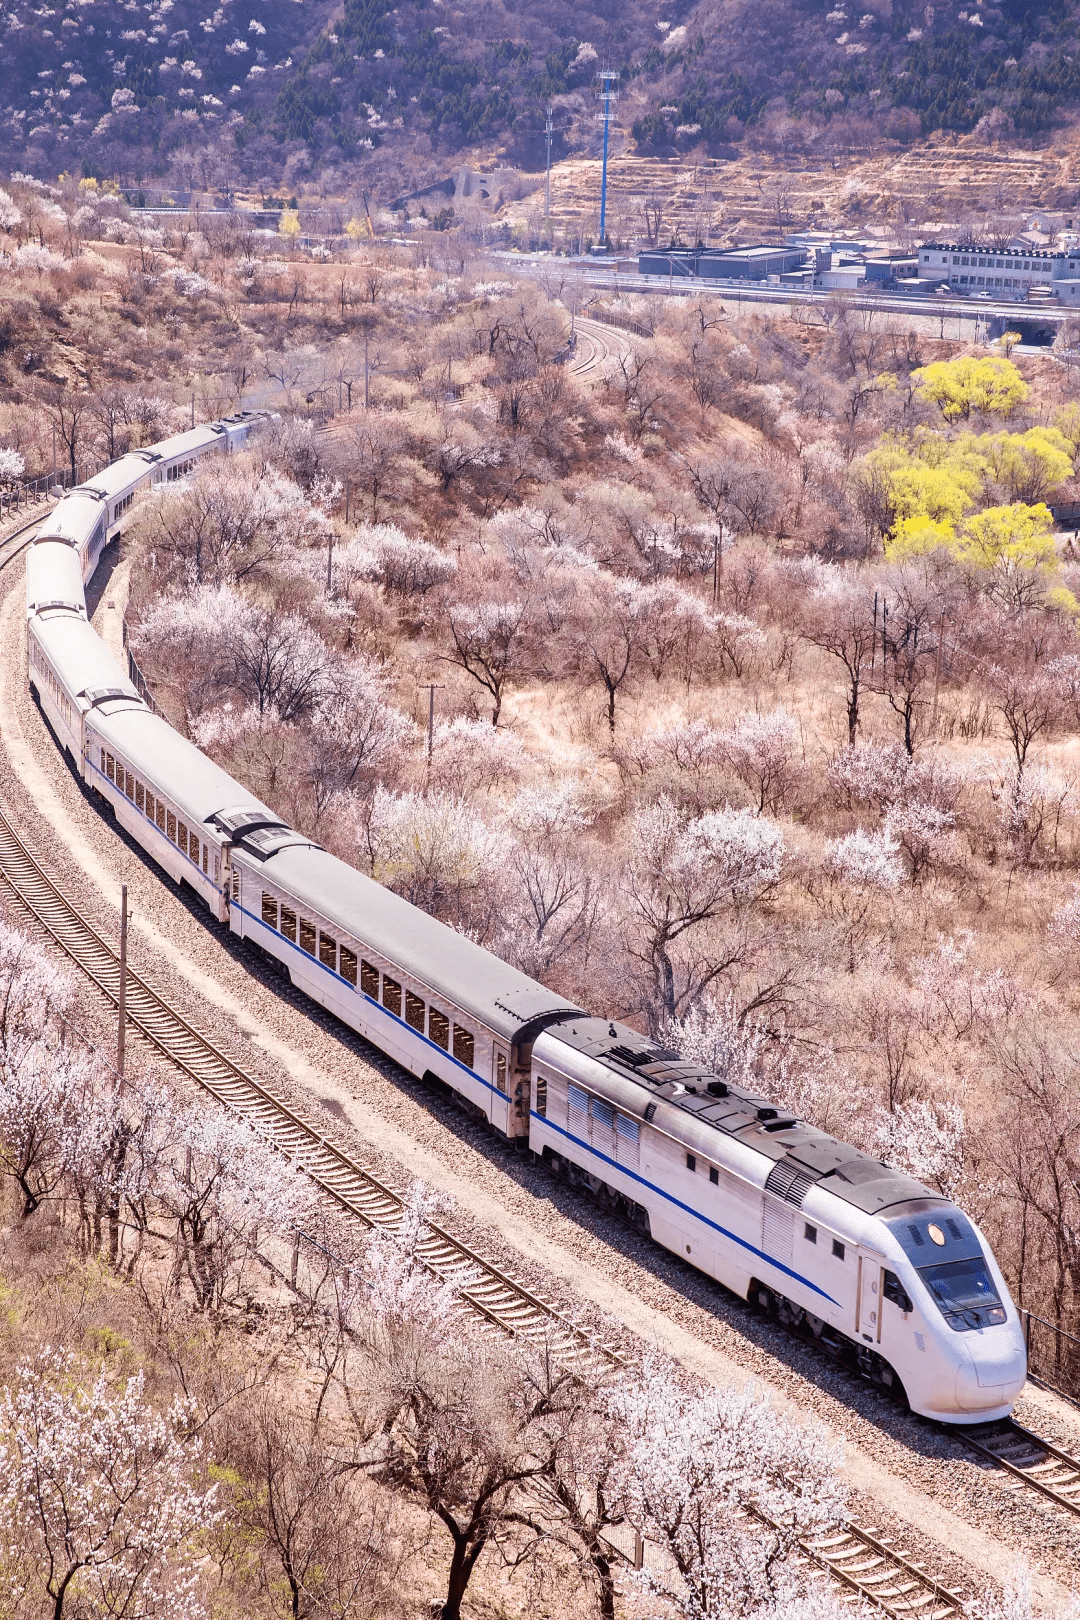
{"x":122,"y":998}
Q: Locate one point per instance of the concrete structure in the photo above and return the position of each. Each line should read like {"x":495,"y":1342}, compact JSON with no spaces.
{"x":1005,"y":274}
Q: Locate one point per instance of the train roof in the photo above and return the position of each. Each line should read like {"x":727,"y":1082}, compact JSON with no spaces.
{"x":496,"y":994}
{"x":84,"y":664}
{"x":72,"y":519}
{"x":175,"y":767}
{"x":802,"y":1155}
{"x":120,"y":475}
{"x":54,"y":577}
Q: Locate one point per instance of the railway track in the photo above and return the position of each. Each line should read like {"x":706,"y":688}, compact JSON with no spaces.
{"x":1030,"y":1460}
{"x":595,"y":344}
{"x":860,"y":1560}
{"x":499,"y":1299}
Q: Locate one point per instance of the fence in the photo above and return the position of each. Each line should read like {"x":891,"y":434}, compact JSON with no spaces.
{"x":138,"y":679}
{"x":623,"y":322}
{"x":28,"y":491}
{"x":1053,"y":1355}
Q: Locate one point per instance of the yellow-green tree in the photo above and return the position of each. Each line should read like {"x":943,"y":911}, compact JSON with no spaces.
{"x":354,"y":230}
{"x":1008,"y":537}
{"x":289,"y":224}
{"x":988,"y":383}
{"x":1067,"y":422}
{"x":1028,"y":465}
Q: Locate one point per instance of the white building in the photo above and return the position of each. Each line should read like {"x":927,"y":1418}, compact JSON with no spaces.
{"x":1007,"y":274}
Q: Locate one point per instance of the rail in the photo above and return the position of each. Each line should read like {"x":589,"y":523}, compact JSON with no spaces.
{"x":1031,"y":1460}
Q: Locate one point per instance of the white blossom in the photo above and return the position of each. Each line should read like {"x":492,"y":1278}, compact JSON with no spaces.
{"x":869,"y":860}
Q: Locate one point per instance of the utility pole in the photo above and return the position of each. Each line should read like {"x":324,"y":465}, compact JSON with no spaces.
{"x":608,"y":95}
{"x":547,"y":182}
{"x":330,"y":562}
{"x":367,"y":392}
{"x":122,"y":998}
{"x":193,"y":407}
{"x":432,"y":688}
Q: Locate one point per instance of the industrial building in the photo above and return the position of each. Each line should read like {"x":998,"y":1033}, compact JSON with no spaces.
{"x":1004,"y":273}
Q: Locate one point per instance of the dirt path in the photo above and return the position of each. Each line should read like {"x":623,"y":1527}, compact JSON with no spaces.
{"x":916,"y":1483}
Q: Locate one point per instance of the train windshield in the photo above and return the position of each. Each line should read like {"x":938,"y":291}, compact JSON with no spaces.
{"x":965,"y":1292}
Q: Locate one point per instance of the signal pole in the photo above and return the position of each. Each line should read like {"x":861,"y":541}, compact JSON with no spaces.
{"x":547,"y":181}
{"x":608,"y":95}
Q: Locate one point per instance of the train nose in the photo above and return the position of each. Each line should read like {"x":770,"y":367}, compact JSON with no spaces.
{"x":993,"y":1370}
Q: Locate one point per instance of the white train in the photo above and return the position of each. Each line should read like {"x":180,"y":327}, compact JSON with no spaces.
{"x":889,"y":1275}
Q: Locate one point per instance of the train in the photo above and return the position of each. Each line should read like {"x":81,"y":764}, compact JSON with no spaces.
{"x":887,"y":1274}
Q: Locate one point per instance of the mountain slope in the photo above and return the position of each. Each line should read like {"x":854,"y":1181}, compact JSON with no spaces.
{"x":127,"y":85}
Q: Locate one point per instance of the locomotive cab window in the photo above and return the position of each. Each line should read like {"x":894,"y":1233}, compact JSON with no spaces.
{"x":464,"y":1046}
{"x":500,"y":1070}
{"x":838,"y":1248}
{"x":414,"y":1011}
{"x":369,"y":980}
{"x":328,"y":952}
{"x":391,"y":996}
{"x":809,"y":1232}
{"x":894,"y":1290}
{"x":307,"y":936}
{"x":439,"y":1028}
{"x":288,"y":923}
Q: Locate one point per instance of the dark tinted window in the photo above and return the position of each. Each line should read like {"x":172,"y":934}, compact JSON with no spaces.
{"x":960,"y":1285}
{"x":838,"y":1248}
{"x":369,"y":980}
{"x":391,"y":995}
{"x":348,"y":964}
{"x":439,"y":1028}
{"x":414,"y":1011}
{"x":809,"y":1232}
{"x":893,"y":1289}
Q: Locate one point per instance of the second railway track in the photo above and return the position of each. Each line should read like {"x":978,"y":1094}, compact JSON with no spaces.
{"x":1030,"y":1460}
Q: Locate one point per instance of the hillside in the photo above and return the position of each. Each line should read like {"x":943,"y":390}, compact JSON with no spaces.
{"x":144,"y":88}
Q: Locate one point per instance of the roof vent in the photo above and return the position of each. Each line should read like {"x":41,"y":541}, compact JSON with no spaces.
{"x":787,"y":1181}
{"x":917,"y":1237}
{"x":717,"y":1088}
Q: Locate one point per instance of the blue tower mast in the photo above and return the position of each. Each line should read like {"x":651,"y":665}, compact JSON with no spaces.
{"x":609,"y":95}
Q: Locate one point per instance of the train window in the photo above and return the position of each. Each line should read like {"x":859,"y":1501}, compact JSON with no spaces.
{"x":181,"y":836}
{"x":328,"y":952}
{"x":236,"y":886}
{"x":464,"y":1046}
{"x":110,"y":767}
{"x":541,"y":1096}
{"x":369,"y":980}
{"x":348,"y":966}
{"x":438,"y":1028}
{"x":205,"y":857}
{"x":500,"y":1070}
{"x":809,"y":1232}
{"x":893,"y":1289}
{"x":288,"y":923}
{"x":714,"y":1175}
{"x":159,"y":814}
{"x":140,"y":796}
{"x":307,"y":936}
{"x":838,"y":1248}
{"x":414,"y":1011}
{"x":170,"y":826}
{"x":193,"y":848}
{"x":129,"y":785}
{"x":391,"y":996}
{"x":691,"y":1162}
{"x":269,"y":910}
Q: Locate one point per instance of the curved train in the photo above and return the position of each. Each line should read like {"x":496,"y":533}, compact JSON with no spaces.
{"x":888,"y":1274}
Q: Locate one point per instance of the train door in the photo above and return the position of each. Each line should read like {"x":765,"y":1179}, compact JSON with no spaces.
{"x":868,"y":1310}
{"x":500,"y":1096}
